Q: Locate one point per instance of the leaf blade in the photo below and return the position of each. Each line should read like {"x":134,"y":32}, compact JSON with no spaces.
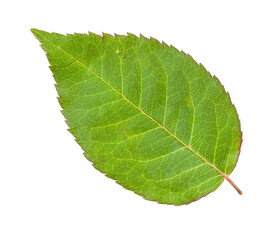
{"x":116,"y":56}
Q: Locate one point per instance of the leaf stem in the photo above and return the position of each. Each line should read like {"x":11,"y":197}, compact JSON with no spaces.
{"x":233,"y":184}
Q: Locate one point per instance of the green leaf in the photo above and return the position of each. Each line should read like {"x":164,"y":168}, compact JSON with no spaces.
{"x":145,"y":114}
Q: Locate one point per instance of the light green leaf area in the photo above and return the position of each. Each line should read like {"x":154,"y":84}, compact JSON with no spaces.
{"x":145,"y":114}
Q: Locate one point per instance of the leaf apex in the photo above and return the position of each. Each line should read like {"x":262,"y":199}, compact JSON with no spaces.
{"x":33,"y":30}
{"x":36,"y":32}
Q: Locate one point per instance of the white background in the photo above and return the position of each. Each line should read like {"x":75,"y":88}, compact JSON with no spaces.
{"x":48,"y":190}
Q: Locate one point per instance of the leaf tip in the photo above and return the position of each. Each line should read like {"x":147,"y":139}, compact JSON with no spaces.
{"x":39,"y":34}
{"x":35,"y":31}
